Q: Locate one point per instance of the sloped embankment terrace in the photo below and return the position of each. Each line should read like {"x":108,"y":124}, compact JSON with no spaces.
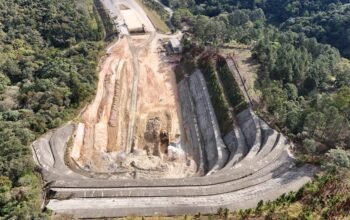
{"x":151,"y":145}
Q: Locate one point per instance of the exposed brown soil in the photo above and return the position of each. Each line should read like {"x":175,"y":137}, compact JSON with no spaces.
{"x":101,"y":138}
{"x":248,"y":68}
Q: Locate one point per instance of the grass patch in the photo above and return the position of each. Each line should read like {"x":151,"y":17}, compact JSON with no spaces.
{"x":216,"y":92}
{"x":155,"y":18}
{"x":232,"y":90}
{"x":295,"y":209}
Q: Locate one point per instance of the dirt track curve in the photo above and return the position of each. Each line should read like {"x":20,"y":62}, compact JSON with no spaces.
{"x":252,"y":162}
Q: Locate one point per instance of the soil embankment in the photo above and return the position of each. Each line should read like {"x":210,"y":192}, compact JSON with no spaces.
{"x":134,"y":117}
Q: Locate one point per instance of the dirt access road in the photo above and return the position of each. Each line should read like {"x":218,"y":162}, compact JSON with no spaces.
{"x":113,"y":7}
{"x":136,"y":99}
{"x":134,"y":75}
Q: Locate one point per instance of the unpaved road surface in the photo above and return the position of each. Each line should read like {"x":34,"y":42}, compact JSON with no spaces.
{"x":111,"y":169}
{"x":136,"y":99}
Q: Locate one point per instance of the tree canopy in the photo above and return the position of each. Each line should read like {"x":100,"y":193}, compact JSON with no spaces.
{"x":48,"y":56}
{"x":301,"y":77}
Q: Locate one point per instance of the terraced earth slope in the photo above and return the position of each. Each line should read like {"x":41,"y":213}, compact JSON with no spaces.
{"x":148,"y":145}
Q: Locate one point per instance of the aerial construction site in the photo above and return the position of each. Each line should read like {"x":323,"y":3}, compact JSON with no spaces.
{"x":150,"y":143}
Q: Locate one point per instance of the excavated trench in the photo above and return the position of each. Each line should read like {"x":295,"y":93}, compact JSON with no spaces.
{"x":178,"y":161}
{"x":144,"y":125}
{"x":150,"y":145}
{"x":133,"y":126}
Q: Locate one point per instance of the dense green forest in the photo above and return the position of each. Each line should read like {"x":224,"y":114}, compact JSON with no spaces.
{"x":304,"y":81}
{"x":326,"y":20}
{"x":48,"y":56}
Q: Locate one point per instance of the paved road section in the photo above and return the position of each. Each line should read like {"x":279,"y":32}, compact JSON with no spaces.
{"x":251,"y":163}
{"x":147,"y":206}
{"x":267,"y":175}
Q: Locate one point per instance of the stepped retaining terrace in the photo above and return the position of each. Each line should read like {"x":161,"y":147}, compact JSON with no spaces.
{"x":258,"y":166}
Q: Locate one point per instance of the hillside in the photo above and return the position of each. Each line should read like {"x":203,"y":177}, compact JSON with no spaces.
{"x":303,"y":76}
{"x":48,"y":56}
{"x":327,"y":21}
{"x":297,"y":67}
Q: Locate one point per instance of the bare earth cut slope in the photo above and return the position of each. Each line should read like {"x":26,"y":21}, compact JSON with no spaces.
{"x":148,"y":145}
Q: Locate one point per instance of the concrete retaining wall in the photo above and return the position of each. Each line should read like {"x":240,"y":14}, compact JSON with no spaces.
{"x":250,"y":126}
{"x":191,"y":140}
{"x":268,"y":174}
{"x":242,"y":169}
{"x":213,"y":145}
{"x":235,"y":139}
{"x":148,"y":206}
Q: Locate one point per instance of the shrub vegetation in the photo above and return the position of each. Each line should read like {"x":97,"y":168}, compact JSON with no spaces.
{"x":48,"y":57}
